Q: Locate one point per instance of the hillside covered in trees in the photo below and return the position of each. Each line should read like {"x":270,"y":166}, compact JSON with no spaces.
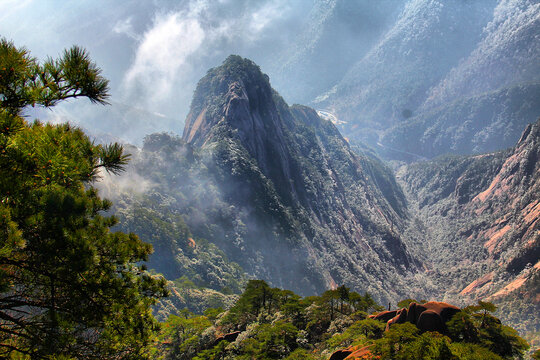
{"x":270,"y":323}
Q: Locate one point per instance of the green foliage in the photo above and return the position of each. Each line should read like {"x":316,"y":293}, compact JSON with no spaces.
{"x":403,"y":342}
{"x":213,"y":313}
{"x":271,"y":341}
{"x":468,"y":351}
{"x":214,"y":353}
{"x":358,"y":333}
{"x":256,"y":299}
{"x":301,"y":354}
{"x":69,"y":286}
{"x":475,"y":324}
{"x":180,"y":337}
{"x":177,"y":255}
{"x":278,"y":324}
{"x":394,"y":341}
{"x":24,"y":82}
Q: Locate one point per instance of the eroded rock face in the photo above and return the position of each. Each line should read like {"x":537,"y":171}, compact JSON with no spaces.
{"x":352,"y":353}
{"x":362,"y":353}
{"x":482,"y":214}
{"x":431,"y":316}
{"x":230,"y":337}
{"x":384,"y":316}
{"x":305,"y":211}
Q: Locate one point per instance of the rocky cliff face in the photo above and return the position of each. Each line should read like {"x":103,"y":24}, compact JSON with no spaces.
{"x":315,"y":61}
{"x":484,"y":123}
{"x":439,"y":77}
{"x":316,"y":214}
{"x":505,"y":55}
{"x":482,"y":217}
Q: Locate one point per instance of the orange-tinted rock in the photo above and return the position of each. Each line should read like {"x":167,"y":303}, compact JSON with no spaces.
{"x":363,"y":353}
{"x":230,"y":337}
{"x":384,"y":316}
{"x":400,"y":318}
{"x":431,"y":316}
{"x":340,"y":354}
{"x":429,"y":320}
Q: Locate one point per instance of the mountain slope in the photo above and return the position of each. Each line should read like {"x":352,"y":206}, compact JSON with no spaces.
{"x":316,"y":61}
{"x":483,"y":123}
{"x":507,"y":55}
{"x":316,"y":214}
{"x":483,"y":103}
{"x":394,"y":77}
{"x":482,"y":214}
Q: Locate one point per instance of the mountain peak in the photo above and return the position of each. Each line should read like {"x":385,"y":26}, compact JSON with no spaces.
{"x":237,"y":85}
{"x":288,"y":170}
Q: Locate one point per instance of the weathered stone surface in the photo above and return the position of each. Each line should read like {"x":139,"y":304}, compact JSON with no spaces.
{"x":362,"y":353}
{"x":230,"y":337}
{"x":384,"y":316}
{"x":340,"y":354}
{"x":431,"y":316}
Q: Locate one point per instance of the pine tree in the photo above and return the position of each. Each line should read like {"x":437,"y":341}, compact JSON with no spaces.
{"x":69,"y":287}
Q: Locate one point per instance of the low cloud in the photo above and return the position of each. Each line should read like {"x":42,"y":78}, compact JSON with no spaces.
{"x":162,"y":53}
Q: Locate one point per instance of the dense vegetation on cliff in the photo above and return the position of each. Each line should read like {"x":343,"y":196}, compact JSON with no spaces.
{"x":270,"y":323}
{"x":483,"y":216}
{"x":256,"y":188}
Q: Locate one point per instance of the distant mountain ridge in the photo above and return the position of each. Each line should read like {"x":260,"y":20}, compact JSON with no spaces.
{"x":488,"y":122}
{"x":258,"y":187}
{"x":416,"y":72}
{"x":425,"y":42}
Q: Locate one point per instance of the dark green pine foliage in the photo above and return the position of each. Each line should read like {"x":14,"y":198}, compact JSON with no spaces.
{"x":271,"y":323}
{"x":69,"y":287}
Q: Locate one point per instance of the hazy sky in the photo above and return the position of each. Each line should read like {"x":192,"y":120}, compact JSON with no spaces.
{"x":153,"y":52}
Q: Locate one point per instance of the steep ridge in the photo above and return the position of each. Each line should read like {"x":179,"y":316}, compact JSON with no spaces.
{"x":507,"y":55}
{"x":393,"y":79}
{"x":315,"y":61}
{"x":482,"y":214}
{"x":315,"y":213}
{"x":479,"y":124}
{"x":483,"y":103}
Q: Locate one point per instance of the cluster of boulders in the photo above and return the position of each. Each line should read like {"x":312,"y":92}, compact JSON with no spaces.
{"x":430,"y":316}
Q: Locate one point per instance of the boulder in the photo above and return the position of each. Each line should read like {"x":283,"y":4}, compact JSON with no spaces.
{"x":384,"y":316}
{"x":400,"y":318}
{"x":431,"y":316}
{"x":230,"y":337}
